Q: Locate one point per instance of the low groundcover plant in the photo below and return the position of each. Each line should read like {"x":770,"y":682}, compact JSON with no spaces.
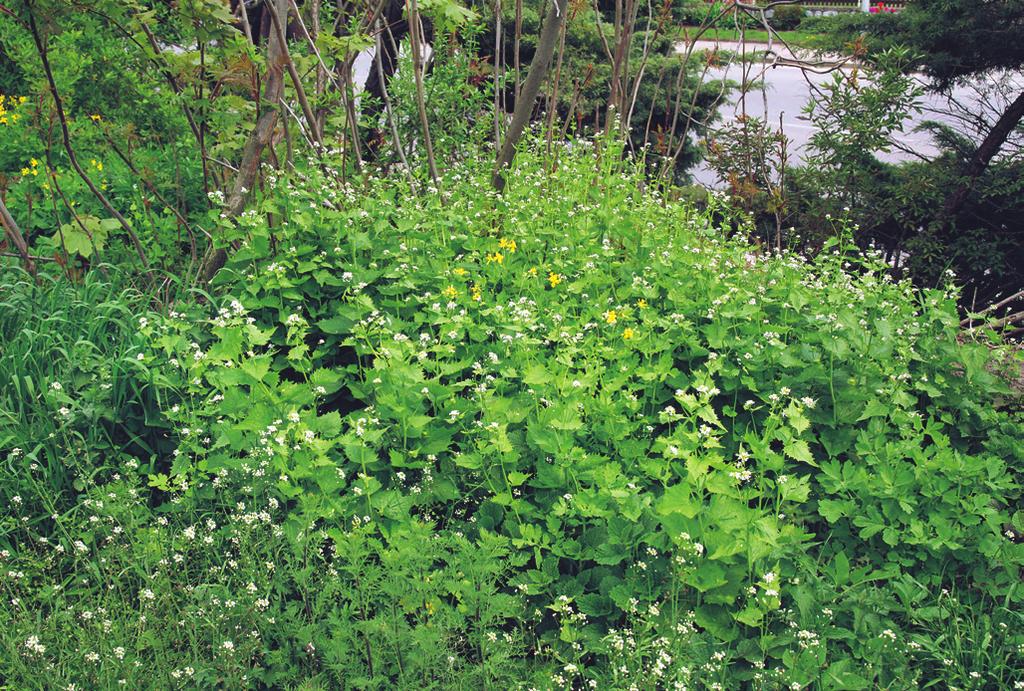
{"x":571,"y":436}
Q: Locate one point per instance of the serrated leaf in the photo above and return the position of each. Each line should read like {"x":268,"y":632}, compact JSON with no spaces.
{"x":678,"y":499}
{"x":874,"y":408}
{"x":536,"y":375}
{"x":327,"y":425}
{"x":798,"y":450}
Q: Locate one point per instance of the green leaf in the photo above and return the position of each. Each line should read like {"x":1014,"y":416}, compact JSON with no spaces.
{"x":834,"y":509}
{"x":717,"y":621}
{"x":678,"y":499}
{"x":76,"y":235}
{"x":515,"y":478}
{"x":796,"y":418}
{"x":451,"y":12}
{"x":707,"y":576}
{"x":563,"y":417}
{"x":795,"y":489}
{"x":229,"y":343}
{"x":327,"y":425}
{"x":536,"y":375}
{"x":329,"y":379}
{"x":336,"y":325}
{"x":798,"y":450}
{"x":749,"y":615}
{"x":839,"y":677}
{"x":874,"y":408}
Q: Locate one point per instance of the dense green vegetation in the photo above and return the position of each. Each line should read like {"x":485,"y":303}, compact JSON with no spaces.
{"x":960,"y":209}
{"x":303,"y":392}
{"x":498,"y":440}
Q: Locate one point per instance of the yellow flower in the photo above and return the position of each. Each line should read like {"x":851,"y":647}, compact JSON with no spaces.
{"x":95,"y":118}
{"x":611,"y":317}
{"x":507,"y":244}
{"x":25,"y":172}
{"x":459,"y":271}
{"x":497,"y":257}
{"x":476,"y":293}
{"x":22,"y":99}
{"x":554,"y":279}
{"x":627,"y":334}
{"x":99,"y":165}
{"x":33,"y":162}
{"x":641,"y":303}
{"x":450,"y":292}
{"x":532,"y":273}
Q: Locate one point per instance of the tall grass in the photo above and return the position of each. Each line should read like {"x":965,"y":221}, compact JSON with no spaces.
{"x":71,"y":394}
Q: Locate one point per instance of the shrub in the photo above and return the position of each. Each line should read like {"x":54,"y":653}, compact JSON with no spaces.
{"x":787,"y":17}
{"x":699,"y":12}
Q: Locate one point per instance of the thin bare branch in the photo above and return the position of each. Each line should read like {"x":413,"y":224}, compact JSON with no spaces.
{"x":13,"y":233}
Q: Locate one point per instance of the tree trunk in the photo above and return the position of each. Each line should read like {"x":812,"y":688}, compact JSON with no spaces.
{"x":531,"y":87}
{"x":260,"y":137}
{"x":416,"y":46}
{"x":989,"y":147}
{"x":13,"y":233}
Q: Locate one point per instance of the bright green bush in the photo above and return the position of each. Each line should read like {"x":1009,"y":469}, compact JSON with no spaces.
{"x":569,"y":433}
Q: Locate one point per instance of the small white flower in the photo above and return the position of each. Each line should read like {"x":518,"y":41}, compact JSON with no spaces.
{"x":34,"y":646}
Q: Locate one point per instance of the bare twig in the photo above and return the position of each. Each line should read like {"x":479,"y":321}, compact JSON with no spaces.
{"x":13,"y":232}
{"x":416,"y":45}
{"x":993,"y":308}
{"x":999,"y":323}
{"x":32,"y":257}
{"x":498,"y":62}
{"x":152,"y":188}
